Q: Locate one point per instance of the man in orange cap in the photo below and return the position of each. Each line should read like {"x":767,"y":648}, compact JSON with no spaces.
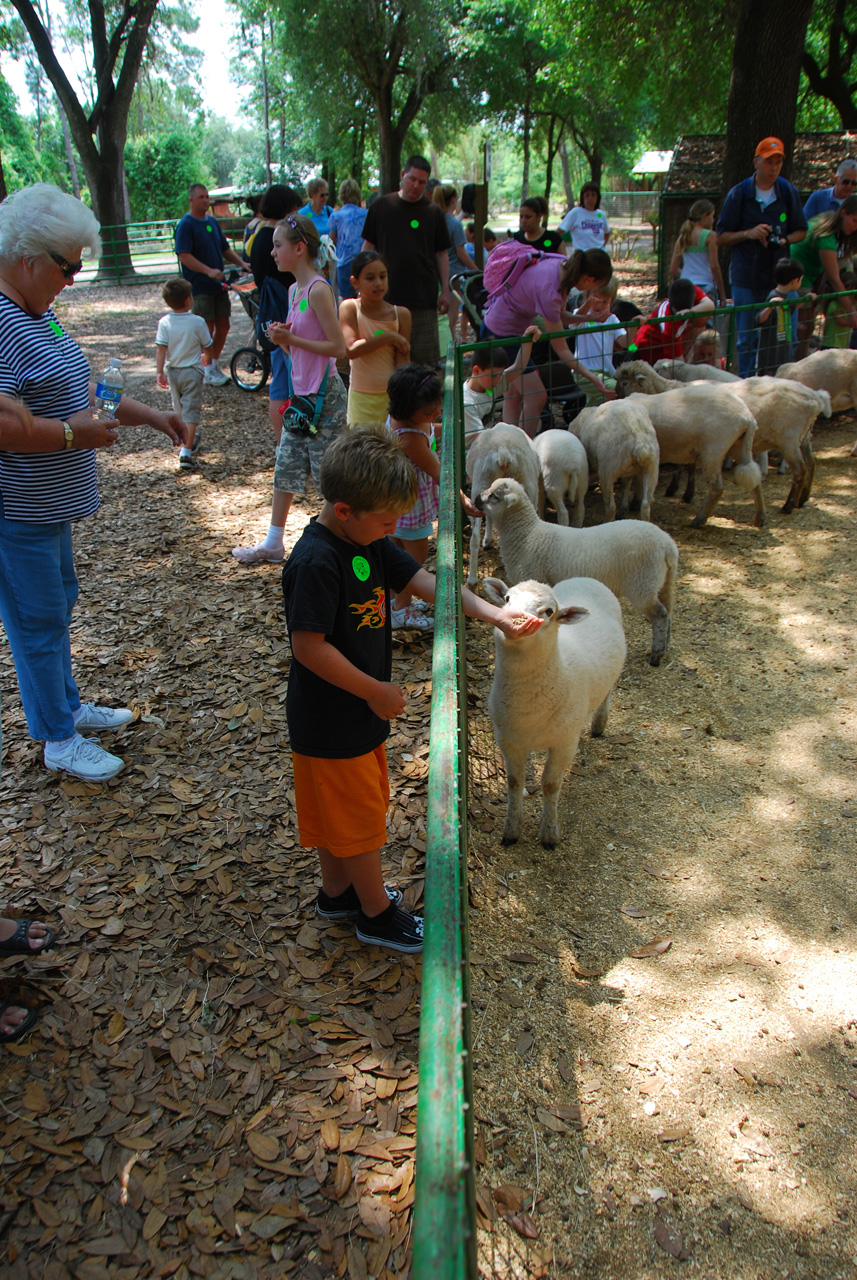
{"x":760,"y":218}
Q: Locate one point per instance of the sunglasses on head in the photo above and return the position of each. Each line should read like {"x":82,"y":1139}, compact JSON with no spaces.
{"x":69,"y":269}
{"x":294,"y":226}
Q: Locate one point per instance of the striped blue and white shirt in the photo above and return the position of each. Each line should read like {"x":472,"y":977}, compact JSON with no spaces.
{"x":44,"y":367}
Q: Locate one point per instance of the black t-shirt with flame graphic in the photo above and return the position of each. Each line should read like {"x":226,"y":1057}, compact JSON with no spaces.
{"x":341,"y":591}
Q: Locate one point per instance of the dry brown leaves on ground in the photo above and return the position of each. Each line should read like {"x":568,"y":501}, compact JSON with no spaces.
{"x":220,"y":1083}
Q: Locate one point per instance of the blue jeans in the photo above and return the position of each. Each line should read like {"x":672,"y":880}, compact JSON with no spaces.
{"x":343,"y":280}
{"x":748,"y":330}
{"x":38,"y":590}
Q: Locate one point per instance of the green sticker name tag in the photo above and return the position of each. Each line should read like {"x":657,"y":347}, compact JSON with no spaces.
{"x":360,"y":565}
{"x":782,"y":217}
{"x":57,"y":329}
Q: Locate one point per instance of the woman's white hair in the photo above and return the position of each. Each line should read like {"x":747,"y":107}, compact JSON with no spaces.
{"x":40,"y":220}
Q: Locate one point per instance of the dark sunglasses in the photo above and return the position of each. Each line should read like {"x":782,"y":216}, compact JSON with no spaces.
{"x":69,"y":269}
{"x":294,"y":226}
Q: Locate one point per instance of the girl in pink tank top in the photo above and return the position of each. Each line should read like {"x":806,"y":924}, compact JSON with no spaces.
{"x":313,"y":341}
{"x":376,"y":339}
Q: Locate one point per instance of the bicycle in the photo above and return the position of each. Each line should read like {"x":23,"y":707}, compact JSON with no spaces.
{"x":250,"y":367}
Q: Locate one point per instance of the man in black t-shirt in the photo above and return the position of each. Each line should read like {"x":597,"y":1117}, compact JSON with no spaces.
{"x":410,"y":234}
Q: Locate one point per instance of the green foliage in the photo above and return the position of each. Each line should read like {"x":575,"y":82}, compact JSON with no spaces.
{"x":159,"y":169}
{"x":22,"y":163}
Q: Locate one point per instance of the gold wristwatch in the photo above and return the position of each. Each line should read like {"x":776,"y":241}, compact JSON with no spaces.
{"x":69,"y":435}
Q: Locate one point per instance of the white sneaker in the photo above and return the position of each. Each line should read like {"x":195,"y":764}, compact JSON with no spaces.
{"x":214,"y":376}
{"x":93,"y":717}
{"x":409,"y":619}
{"x":85,"y":759}
{"x":260,"y":554}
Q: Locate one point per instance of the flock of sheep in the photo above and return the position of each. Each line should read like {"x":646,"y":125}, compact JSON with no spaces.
{"x":548,"y":685}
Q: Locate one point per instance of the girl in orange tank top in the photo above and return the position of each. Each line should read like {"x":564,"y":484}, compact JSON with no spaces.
{"x":376,"y":338}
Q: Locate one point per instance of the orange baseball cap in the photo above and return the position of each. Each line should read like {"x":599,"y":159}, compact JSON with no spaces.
{"x":771,"y":147}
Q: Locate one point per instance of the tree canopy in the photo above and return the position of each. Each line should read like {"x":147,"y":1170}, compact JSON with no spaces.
{"x":352,"y":86}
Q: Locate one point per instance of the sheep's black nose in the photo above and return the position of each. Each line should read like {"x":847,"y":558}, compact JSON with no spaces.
{"x":477,"y":502}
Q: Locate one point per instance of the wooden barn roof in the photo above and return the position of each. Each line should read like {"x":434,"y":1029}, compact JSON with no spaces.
{"x":698,"y":161}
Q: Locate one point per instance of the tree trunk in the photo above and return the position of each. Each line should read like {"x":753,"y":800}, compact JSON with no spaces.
{"x":69,"y":152}
{"x":766,"y":62}
{"x":3,"y":191}
{"x":107,"y":120}
{"x":551,"y":152}
{"x":107,"y":191}
{"x":566,"y":175}
{"x":525,"y":140}
{"x":358,"y":149}
{"x":555,"y":132}
{"x":596,"y":163}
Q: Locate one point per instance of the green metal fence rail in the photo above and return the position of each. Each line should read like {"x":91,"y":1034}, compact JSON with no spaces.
{"x":142,"y":252}
{"x":444,"y":1241}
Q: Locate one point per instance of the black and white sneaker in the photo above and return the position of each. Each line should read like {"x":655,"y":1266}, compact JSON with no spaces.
{"x":347,"y":905}
{"x":395,"y":929}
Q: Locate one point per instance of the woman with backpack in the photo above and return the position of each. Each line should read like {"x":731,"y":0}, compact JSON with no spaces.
{"x":522,"y":284}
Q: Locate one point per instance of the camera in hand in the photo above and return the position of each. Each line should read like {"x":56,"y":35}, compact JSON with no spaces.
{"x":777,"y":239}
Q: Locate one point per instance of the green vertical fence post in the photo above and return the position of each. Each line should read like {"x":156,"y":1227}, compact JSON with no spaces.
{"x":444,"y":1209}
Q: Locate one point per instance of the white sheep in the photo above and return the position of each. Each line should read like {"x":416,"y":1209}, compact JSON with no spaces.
{"x":565,"y":472}
{"x":698,"y":425}
{"x":498,"y":451}
{"x":634,"y":559}
{"x":833,"y":371}
{"x":620,"y":444}
{"x":785,"y":412}
{"x":681,"y":371}
{"x":549,"y":684}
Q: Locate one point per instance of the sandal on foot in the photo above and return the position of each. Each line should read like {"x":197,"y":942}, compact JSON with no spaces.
{"x":19,"y":943}
{"x":22,"y":1027}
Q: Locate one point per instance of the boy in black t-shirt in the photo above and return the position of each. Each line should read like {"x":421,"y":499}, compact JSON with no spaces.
{"x":337,"y":585}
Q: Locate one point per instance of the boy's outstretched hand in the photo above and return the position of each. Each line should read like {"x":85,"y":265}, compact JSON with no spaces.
{"x":388,"y":703}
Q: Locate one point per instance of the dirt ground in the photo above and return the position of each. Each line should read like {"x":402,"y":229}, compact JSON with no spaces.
{"x":221,"y":1086}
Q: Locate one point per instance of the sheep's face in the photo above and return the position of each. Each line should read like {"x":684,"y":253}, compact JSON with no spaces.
{"x":503,"y":495}
{"x":631,"y":378}
{"x":532,"y":597}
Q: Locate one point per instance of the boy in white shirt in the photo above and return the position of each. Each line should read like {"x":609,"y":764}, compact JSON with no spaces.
{"x":595,"y":350}
{"x":180,"y":341}
{"x":490,"y":376}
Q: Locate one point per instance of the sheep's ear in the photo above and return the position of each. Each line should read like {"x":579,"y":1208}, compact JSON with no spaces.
{"x":494,"y":589}
{"x":571,"y":614}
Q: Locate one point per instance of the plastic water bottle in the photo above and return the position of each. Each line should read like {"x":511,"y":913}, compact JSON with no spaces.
{"x":108,"y":390}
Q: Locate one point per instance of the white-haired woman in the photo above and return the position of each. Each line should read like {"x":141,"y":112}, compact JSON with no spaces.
{"x":48,"y":479}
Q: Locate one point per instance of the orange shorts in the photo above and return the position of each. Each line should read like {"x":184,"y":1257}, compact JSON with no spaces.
{"x":342,"y":804}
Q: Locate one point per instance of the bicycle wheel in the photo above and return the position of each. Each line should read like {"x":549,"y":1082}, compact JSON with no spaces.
{"x":250,"y":369}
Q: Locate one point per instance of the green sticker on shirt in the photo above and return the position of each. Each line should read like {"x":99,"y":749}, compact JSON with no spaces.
{"x":548,"y":243}
{"x":57,"y":329}
{"x":378,"y":333}
{"x":209,"y":228}
{"x":415,"y":223}
{"x":782,"y":217}
{"x":632,"y":346}
{"x":303,"y":304}
{"x":360,"y":565}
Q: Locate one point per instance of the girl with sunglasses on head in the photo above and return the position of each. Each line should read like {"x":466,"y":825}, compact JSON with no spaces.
{"x":303,"y":364}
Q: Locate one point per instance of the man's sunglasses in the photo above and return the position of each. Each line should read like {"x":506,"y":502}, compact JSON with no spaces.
{"x":69,"y":269}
